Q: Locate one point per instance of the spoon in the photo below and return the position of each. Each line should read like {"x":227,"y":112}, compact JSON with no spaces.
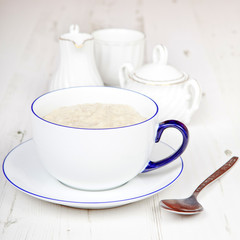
{"x":190,"y":205}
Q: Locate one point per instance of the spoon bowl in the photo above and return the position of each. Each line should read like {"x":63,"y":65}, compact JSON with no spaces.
{"x":190,"y":205}
{"x":184,"y":206}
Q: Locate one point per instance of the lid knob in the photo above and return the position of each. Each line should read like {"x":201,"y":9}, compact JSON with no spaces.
{"x":160,"y":54}
{"x":74,"y":28}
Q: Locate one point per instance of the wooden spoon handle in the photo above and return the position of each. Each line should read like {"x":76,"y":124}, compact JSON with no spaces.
{"x":216,"y":175}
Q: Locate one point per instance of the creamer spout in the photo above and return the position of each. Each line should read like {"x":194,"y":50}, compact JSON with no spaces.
{"x":78,"y":39}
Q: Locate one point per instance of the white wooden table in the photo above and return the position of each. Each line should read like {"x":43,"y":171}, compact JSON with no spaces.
{"x":203,"y":39}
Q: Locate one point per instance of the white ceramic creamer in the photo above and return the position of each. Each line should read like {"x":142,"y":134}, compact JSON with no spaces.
{"x":77,"y":65}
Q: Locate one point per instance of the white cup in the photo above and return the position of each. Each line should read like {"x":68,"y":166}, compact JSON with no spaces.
{"x":98,"y":159}
{"x":113,"y":48}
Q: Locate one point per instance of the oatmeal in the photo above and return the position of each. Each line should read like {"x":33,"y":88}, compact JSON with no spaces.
{"x":95,"y":115}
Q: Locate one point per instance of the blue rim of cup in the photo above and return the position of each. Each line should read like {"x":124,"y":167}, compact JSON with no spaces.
{"x":63,"y":89}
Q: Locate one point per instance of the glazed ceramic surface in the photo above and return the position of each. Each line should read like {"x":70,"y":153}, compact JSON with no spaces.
{"x":97,"y":159}
{"x":77,"y":65}
{"x":24,"y":170}
{"x":177,"y":95}
{"x":114,"y":47}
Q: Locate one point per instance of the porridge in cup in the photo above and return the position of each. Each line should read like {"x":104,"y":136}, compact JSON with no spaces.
{"x":99,"y":158}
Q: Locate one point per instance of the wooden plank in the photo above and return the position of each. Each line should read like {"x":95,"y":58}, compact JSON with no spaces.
{"x":203,"y":40}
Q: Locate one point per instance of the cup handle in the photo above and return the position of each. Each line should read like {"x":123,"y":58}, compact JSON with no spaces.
{"x":162,"y":126}
{"x":124,"y":73}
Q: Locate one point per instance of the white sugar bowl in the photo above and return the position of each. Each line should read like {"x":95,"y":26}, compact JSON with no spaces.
{"x":177,"y":95}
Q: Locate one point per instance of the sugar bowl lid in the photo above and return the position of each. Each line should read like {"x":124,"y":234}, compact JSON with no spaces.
{"x":159,"y":72}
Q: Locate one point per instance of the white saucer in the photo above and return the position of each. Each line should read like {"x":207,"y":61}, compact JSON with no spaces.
{"x":23,"y":169}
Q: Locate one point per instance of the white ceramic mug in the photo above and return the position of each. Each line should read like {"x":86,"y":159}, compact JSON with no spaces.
{"x":98,"y":159}
{"x":113,"y":48}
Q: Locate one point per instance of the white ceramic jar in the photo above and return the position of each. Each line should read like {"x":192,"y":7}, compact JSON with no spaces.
{"x":77,"y":66}
{"x":177,"y":95}
{"x":113,"y":48}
